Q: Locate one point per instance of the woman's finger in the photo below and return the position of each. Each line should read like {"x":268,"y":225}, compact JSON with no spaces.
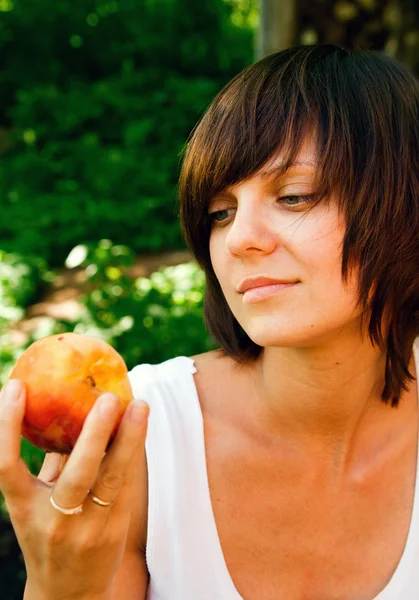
{"x":129,"y":441}
{"x":15,"y":479}
{"x":52,"y":467}
{"x":81,"y":468}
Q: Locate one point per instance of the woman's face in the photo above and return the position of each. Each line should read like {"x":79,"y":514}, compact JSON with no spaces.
{"x":262,"y":228}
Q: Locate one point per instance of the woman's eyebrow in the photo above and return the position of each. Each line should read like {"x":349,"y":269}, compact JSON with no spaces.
{"x":280,"y":168}
{"x":277,"y":171}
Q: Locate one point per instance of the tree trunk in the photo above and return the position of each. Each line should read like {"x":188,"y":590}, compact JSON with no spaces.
{"x":278,"y":26}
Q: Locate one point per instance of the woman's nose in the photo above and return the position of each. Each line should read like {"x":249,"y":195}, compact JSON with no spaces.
{"x":251,"y":232}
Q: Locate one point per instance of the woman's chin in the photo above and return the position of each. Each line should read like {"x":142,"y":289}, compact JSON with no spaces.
{"x":291,"y":336}
{"x":283,"y":339}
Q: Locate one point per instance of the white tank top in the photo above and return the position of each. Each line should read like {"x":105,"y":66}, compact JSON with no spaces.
{"x":184,"y":555}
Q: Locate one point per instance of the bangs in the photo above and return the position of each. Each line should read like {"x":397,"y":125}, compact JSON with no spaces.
{"x":341,"y":98}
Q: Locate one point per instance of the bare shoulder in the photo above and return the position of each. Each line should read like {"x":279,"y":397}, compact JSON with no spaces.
{"x":213,"y":358}
{"x":210,"y":366}
{"x":217,"y":377}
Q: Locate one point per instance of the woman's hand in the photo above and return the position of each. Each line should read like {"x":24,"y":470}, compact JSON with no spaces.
{"x":72,"y":556}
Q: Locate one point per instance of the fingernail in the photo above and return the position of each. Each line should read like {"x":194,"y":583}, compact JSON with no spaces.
{"x":12,"y":390}
{"x":138,"y":410}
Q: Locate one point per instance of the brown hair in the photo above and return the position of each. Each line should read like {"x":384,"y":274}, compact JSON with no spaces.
{"x":364,"y":108}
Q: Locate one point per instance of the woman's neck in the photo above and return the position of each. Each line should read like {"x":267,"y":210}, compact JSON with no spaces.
{"x":327,"y":396}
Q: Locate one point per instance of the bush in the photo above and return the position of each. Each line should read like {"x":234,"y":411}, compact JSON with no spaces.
{"x":95,"y":122}
{"x":21,"y":279}
{"x":148,"y":319}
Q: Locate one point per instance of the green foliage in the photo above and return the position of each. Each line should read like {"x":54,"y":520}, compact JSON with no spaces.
{"x":96,"y":120}
{"x":20,"y":280}
{"x":148,"y":319}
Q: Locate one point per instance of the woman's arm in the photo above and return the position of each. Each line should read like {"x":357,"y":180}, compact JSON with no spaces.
{"x":77,"y":556}
{"x":131,"y":580}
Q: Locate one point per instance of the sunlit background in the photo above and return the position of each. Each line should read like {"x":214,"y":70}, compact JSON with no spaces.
{"x":97,"y":101}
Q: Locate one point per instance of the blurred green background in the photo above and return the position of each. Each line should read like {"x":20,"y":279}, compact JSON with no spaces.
{"x":97,"y":99}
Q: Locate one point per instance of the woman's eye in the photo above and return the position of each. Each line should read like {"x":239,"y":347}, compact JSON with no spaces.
{"x":296,"y":201}
{"x":219,"y":216}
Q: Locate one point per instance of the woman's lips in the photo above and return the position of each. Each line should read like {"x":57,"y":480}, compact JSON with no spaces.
{"x":256,"y":294}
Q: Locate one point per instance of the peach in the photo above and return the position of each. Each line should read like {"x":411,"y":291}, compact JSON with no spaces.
{"x":64,"y":375}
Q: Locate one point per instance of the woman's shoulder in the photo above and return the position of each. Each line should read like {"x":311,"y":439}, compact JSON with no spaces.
{"x":219,"y":381}
{"x":176,"y":376}
{"x":203,"y":365}
{"x":210,"y":377}
{"x":213,"y":368}
{"x":211,"y":361}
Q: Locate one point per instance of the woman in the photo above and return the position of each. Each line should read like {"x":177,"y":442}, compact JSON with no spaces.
{"x":282,"y":466}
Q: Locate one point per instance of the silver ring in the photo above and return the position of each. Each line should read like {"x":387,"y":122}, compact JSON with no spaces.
{"x":66,"y":511}
{"x":100,"y":502}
